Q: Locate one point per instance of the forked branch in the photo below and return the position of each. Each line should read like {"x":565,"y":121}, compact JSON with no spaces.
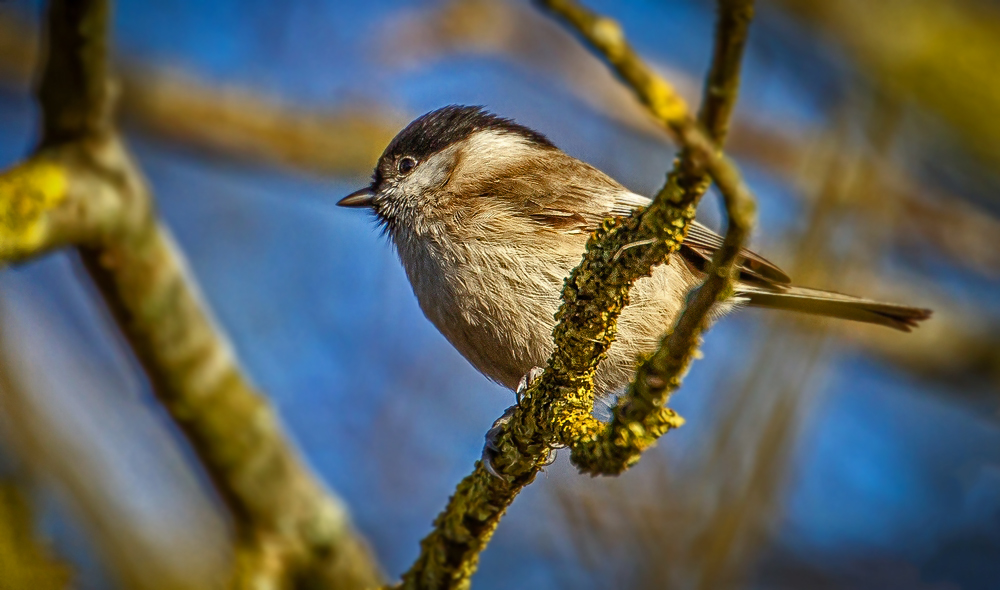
{"x":556,"y":410}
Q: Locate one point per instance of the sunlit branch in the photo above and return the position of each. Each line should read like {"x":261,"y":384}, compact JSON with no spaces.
{"x":82,"y":188}
{"x":557,"y":407}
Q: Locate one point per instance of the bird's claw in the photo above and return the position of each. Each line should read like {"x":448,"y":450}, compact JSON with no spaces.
{"x":492,"y":449}
{"x":526,"y":380}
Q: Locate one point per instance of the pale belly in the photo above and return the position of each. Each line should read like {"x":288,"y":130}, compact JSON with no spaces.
{"x":500,"y":317}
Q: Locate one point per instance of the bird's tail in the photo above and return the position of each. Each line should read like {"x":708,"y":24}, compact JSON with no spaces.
{"x":835,"y":305}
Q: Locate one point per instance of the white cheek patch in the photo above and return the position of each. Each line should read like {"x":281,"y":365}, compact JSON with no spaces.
{"x":490,"y":147}
{"x":431,"y":173}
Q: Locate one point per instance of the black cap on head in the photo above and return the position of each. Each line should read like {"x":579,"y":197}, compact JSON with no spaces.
{"x":438,"y":129}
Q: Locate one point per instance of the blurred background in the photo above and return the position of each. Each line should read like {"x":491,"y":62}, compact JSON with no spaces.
{"x":815,"y":454}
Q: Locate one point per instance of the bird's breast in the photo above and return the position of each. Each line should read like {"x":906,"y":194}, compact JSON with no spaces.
{"x":493,"y":300}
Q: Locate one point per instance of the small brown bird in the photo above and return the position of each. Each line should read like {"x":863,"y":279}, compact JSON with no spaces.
{"x":489,"y":218}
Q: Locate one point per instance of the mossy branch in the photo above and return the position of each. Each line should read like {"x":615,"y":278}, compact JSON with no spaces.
{"x":640,"y":418}
{"x":82,"y":188}
{"x":557,"y":407}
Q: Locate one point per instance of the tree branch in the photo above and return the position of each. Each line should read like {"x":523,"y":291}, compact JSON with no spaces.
{"x":557,"y":407}
{"x":82,"y":188}
{"x":77,"y":39}
{"x":641,"y":418}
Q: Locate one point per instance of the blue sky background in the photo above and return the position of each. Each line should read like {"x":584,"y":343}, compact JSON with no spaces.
{"x":886,"y":465}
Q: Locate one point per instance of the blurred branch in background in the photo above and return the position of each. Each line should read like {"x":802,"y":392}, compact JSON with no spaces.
{"x":25,"y":562}
{"x":237,"y":123}
{"x":82,"y":188}
{"x":941,"y":54}
{"x":112,"y":465}
{"x":227,"y":121}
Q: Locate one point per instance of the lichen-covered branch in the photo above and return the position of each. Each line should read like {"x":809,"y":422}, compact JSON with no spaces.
{"x":557,"y":407}
{"x":641,"y":418}
{"x":82,"y":188}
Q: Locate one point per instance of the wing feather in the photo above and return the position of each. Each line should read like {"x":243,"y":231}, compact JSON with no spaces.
{"x":701,"y":243}
{"x":563,"y":194}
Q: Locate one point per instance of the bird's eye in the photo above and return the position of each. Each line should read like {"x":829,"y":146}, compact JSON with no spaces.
{"x":406,"y":165}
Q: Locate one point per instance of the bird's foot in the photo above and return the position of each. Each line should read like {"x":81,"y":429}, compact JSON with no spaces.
{"x":491,"y":449}
{"x":526,"y":381}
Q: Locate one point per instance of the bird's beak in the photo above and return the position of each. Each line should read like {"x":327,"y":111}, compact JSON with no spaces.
{"x":361,"y":198}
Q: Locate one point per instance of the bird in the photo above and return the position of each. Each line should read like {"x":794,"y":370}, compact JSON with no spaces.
{"x":488,"y":218}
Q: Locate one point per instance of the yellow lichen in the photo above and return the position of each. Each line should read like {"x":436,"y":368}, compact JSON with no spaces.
{"x":27,"y":192}
{"x":666,"y":103}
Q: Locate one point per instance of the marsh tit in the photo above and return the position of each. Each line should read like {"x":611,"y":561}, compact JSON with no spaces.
{"x":489,"y":218}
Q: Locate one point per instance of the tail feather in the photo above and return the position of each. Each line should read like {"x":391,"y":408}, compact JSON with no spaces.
{"x":835,"y":305}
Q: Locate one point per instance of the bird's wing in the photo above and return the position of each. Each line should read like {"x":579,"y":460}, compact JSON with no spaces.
{"x":563,"y":194}
{"x":701,"y":243}
{"x":558,"y":192}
